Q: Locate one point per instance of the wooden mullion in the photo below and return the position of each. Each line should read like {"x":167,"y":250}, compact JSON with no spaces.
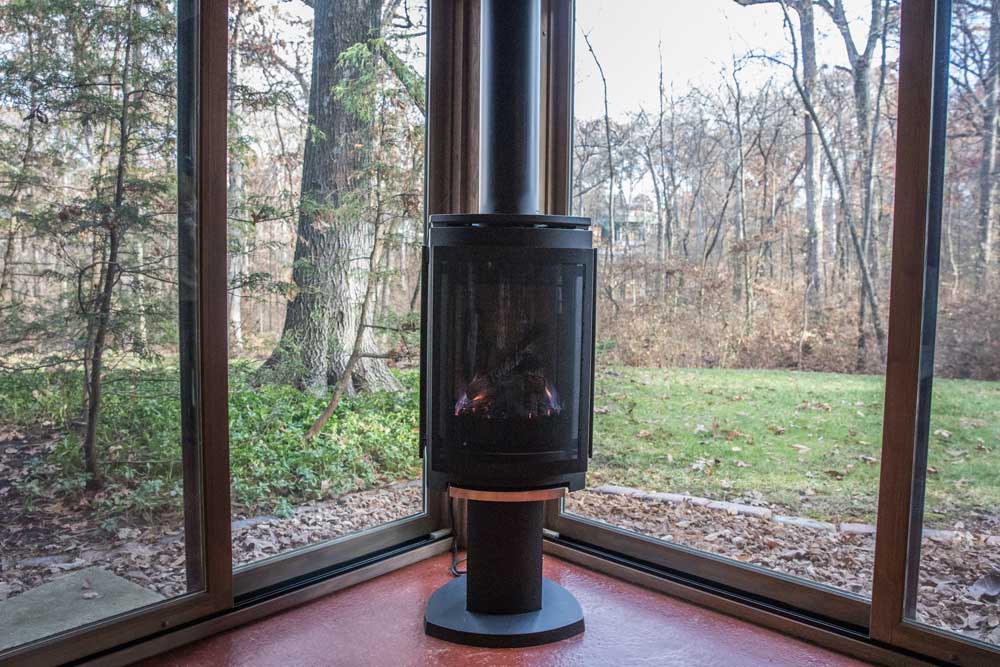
{"x":920,"y":156}
{"x":906,"y":303}
{"x":452,"y":159}
{"x":453,"y":118}
{"x":213,"y":369}
{"x":556,"y":128}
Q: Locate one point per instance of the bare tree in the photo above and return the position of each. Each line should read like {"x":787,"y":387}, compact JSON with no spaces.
{"x":976,"y":76}
{"x":611,"y":159}
{"x":814,"y":230}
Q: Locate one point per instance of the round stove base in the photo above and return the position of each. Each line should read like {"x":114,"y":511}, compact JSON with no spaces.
{"x":447,"y":618}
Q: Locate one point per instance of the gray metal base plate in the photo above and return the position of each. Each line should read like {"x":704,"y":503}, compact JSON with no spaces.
{"x":447,"y":618}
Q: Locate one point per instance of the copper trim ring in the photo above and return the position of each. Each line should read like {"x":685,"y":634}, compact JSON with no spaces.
{"x":508,"y":496}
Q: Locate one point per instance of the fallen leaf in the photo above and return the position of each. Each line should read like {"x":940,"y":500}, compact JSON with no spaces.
{"x":986,"y":588}
{"x":644,"y":434}
{"x":943,"y":434}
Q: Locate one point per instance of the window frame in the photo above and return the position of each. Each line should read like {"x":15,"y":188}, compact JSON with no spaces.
{"x":925,"y":50}
{"x":202,"y":30}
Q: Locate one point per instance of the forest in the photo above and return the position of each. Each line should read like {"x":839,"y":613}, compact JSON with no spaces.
{"x":742,"y":223}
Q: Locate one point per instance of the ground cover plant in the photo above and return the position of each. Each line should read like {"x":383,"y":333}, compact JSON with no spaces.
{"x":371,"y":440}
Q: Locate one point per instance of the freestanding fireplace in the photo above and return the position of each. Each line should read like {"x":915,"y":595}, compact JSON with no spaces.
{"x":510,"y":348}
{"x":507,"y":365}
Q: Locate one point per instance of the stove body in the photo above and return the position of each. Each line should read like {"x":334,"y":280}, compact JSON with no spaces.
{"x":509,"y":350}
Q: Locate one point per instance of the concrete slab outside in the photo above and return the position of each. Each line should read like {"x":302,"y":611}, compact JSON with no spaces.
{"x":68,"y":602}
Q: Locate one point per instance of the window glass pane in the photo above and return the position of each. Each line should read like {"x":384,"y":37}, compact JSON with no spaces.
{"x":958,"y":587}
{"x":97,"y":234}
{"x":737,"y":163}
{"x":325,"y":226}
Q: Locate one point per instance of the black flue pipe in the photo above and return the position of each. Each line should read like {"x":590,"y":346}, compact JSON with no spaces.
{"x":509,"y":106}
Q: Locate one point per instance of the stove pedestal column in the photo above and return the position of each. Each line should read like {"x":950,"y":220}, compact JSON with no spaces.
{"x":504,"y":557}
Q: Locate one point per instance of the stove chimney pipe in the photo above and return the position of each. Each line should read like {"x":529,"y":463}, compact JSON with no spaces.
{"x":509,"y":103}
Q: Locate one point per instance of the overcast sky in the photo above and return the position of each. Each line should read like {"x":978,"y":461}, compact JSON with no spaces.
{"x":699,"y":39}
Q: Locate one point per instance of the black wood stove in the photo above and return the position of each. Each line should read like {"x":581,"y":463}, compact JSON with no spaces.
{"x":507,"y":366}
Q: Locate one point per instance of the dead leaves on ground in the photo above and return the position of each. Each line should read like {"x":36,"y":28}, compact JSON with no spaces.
{"x":959,"y":587}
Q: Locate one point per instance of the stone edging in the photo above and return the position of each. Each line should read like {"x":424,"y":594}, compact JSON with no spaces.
{"x":765,"y":514}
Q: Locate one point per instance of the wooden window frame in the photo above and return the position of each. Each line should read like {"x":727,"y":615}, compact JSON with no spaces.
{"x":207,"y":510}
{"x":925,"y":44}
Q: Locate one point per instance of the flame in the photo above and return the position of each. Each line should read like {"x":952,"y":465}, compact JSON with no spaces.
{"x":534,"y":397}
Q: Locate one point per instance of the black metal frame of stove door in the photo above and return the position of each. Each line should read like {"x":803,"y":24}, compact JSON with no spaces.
{"x":507,"y":243}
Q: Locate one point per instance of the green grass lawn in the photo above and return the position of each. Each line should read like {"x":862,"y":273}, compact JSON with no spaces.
{"x":809,"y":442}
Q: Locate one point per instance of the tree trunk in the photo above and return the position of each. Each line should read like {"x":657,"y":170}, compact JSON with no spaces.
{"x":234,"y":194}
{"x":814,"y":235}
{"x":807,"y":84}
{"x":334,"y":234}
{"x":140,"y":288}
{"x":7,"y":271}
{"x":109,"y":277}
{"x":611,"y":159}
{"x":987,"y":162}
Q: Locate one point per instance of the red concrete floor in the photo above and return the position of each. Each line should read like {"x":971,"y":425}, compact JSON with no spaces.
{"x":380,"y":622}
